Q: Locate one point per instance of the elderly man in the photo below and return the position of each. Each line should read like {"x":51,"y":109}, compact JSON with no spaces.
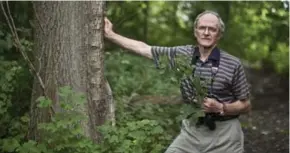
{"x":229,"y":86}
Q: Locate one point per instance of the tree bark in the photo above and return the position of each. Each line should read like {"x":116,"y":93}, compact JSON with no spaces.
{"x":69,"y":52}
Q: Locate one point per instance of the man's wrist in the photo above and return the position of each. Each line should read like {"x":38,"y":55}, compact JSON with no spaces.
{"x":222,"y":109}
{"x":110,"y":35}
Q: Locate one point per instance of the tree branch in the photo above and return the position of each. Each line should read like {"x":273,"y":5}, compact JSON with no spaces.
{"x":109,"y":98}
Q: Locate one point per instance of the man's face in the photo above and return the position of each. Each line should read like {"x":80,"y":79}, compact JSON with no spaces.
{"x":207,"y":31}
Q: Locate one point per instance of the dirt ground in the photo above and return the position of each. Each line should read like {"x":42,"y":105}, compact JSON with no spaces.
{"x":266,"y":128}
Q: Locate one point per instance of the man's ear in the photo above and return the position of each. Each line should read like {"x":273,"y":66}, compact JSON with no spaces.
{"x":194,"y":33}
{"x":220,"y":36}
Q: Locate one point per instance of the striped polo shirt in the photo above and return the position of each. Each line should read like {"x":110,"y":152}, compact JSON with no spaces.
{"x":230,"y":82}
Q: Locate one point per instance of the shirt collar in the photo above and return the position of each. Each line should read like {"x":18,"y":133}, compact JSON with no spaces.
{"x":214,"y":55}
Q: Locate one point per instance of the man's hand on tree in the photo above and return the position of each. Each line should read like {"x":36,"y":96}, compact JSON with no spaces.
{"x":108,"y":28}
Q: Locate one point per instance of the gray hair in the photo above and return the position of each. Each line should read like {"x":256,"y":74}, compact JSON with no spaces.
{"x":221,"y":22}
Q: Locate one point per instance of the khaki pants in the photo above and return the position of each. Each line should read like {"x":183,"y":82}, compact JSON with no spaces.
{"x":228,"y":137}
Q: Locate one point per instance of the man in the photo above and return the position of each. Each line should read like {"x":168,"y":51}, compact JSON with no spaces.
{"x":229,"y":86}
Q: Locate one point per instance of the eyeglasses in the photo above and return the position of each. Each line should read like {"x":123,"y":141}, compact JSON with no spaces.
{"x":206,"y":29}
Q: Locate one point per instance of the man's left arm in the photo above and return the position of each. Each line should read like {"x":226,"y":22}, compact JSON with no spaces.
{"x":234,"y":108}
{"x":237,"y":107}
{"x":241,"y":91}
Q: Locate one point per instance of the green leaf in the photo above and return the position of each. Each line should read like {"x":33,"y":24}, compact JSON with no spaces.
{"x":42,"y":148}
{"x":25,"y":119}
{"x":113,"y":139}
{"x":9,"y":41}
{"x":9,"y":145}
{"x":3,"y":44}
{"x":137,"y":134}
{"x":41,"y":98}
{"x":3,"y":97}
{"x":157,"y":130}
{"x":125,"y":62}
{"x":66,"y":90}
{"x":8,"y":76}
{"x":43,"y":102}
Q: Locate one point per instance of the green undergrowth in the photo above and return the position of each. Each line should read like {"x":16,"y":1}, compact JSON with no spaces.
{"x":140,"y":127}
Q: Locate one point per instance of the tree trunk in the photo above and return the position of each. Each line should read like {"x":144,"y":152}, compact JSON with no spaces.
{"x":69,"y":52}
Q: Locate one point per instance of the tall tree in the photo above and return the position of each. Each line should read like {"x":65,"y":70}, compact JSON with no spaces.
{"x":69,"y":52}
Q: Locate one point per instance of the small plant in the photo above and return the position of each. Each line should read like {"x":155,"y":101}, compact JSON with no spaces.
{"x":63,"y":134}
{"x":182,"y":70}
{"x":134,"y":136}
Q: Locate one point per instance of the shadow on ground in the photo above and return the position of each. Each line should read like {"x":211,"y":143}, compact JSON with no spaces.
{"x":266,"y":127}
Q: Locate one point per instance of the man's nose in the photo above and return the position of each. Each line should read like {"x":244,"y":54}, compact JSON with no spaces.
{"x":206,"y":32}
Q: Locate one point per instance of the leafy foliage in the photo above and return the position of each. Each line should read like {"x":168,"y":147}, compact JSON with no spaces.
{"x":65,"y":134}
{"x":134,"y":136}
{"x":182,"y":70}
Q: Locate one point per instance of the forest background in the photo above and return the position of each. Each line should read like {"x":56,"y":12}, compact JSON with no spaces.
{"x":256,"y":32}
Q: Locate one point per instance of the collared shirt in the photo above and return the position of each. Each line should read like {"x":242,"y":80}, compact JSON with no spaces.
{"x":230,"y":82}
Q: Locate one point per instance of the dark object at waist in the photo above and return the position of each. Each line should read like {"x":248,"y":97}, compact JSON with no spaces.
{"x":223,"y":118}
{"x":210,"y":118}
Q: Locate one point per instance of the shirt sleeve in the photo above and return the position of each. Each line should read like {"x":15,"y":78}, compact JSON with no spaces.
{"x":241,"y":89}
{"x":169,"y":52}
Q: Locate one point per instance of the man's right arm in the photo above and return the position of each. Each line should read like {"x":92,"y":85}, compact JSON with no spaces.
{"x":135,"y":46}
